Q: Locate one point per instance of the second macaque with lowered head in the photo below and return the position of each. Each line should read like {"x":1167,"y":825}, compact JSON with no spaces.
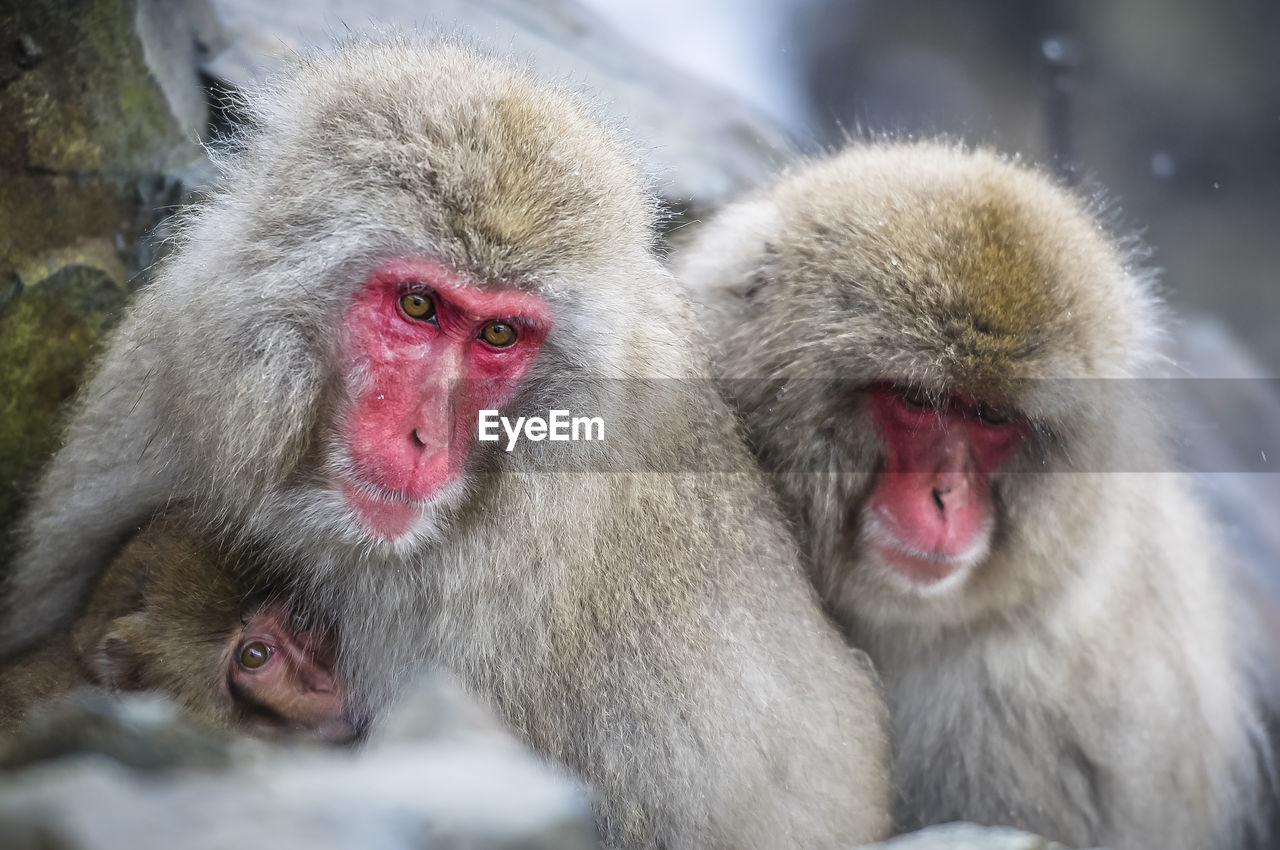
{"x":930,"y":349}
{"x":405,"y":238}
{"x":175,"y":617}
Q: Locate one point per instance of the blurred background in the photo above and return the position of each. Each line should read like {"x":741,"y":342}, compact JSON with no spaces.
{"x":1176,"y":107}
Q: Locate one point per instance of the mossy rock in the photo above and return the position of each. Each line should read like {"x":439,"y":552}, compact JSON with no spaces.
{"x":48,"y":334}
{"x":104,"y":112}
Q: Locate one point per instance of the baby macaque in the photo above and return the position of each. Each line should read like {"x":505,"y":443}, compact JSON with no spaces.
{"x":170,"y":616}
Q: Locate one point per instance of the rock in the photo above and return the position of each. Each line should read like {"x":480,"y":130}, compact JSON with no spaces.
{"x":462,"y":783}
{"x":967,"y":836}
{"x":702,"y":144}
{"x":144,"y":732}
{"x":104,"y":112}
{"x":47,"y":334}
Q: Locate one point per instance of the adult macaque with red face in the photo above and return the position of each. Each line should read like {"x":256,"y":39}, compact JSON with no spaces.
{"x":407,"y":237}
{"x":927,"y":346}
{"x":173,"y":617}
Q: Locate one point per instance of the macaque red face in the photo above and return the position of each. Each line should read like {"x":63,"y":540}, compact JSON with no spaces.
{"x":282,"y":674}
{"x":929,"y":516}
{"x":430,"y":350}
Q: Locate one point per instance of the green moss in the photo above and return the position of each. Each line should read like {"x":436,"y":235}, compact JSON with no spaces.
{"x":88,"y":147}
{"x":48,"y":334}
{"x":92,"y":105}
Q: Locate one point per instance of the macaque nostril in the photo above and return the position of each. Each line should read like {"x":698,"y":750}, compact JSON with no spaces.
{"x":417,"y":439}
{"x":938,"y":493}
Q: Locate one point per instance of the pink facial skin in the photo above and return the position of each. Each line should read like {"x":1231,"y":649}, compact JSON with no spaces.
{"x":931,"y":507}
{"x":410,"y":430}
{"x":289,"y":675}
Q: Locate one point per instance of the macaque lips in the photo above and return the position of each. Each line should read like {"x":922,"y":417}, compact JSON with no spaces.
{"x":386,"y":517}
{"x":930,"y":513}
{"x":435,"y":350}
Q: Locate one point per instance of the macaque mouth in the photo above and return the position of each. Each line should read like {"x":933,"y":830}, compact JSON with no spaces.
{"x":381,"y":513}
{"x":921,"y":565}
{"x":382,"y":494}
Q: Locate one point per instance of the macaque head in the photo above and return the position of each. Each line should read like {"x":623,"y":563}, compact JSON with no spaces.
{"x":940,"y":322}
{"x":400,"y":244}
{"x":280,"y":672}
{"x":269,"y":672}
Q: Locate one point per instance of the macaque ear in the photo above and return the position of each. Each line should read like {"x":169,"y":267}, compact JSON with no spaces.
{"x":739,"y":264}
{"x":115,"y":662}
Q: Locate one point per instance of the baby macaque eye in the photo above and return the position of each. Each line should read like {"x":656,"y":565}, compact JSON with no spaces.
{"x":916,"y":397}
{"x":418,"y":305}
{"x":254,"y":654}
{"x":498,"y":334}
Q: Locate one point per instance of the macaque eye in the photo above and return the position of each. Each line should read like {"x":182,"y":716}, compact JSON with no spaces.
{"x":992,"y":415}
{"x":418,"y":305}
{"x":253,"y":655}
{"x":498,"y":334}
{"x":916,"y":397}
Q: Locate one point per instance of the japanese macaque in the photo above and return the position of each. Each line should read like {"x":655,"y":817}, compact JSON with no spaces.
{"x":168,"y":616}
{"x":406,"y":237}
{"x":928,"y":346}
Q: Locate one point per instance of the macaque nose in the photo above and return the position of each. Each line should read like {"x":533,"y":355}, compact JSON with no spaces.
{"x":950,"y":491}
{"x":431,"y":424}
{"x":951,"y":478}
{"x":432,"y":434}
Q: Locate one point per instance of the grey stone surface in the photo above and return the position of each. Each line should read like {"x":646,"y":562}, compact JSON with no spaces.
{"x":143,"y":731}
{"x":701,"y":144}
{"x":967,"y":836}
{"x":441,"y":775}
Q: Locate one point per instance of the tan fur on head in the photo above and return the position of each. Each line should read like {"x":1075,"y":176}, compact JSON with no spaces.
{"x":983,"y":296}
{"x":441,"y":138}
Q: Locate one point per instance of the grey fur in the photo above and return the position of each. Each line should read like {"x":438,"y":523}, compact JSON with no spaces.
{"x":1085,"y":680}
{"x":653,"y":632}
